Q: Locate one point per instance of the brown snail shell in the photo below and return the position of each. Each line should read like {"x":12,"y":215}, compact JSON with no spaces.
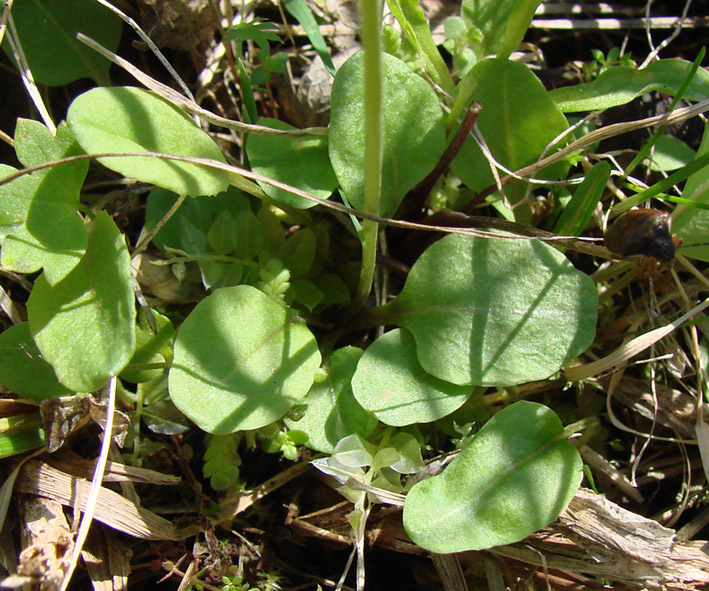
{"x":641,"y":232}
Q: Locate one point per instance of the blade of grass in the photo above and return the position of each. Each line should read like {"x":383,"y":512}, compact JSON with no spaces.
{"x":300,"y":11}
{"x":663,"y":185}
{"x":579,"y":210}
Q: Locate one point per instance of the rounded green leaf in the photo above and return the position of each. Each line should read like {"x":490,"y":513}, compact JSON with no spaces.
{"x":221,"y":236}
{"x":240,"y":361}
{"x":391,"y":383}
{"x":131,"y":120}
{"x":331,"y":411}
{"x":298,"y":252}
{"x":84,"y":325}
{"x":22,"y":368}
{"x":300,"y":161}
{"x":515,"y":477}
{"x":47,"y":30}
{"x":496,"y":312}
{"x":413,"y":131}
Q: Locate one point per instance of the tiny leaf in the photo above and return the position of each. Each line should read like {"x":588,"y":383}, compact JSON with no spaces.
{"x":221,"y":236}
{"x":200,"y":211}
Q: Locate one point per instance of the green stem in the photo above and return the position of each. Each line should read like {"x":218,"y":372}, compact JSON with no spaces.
{"x":371,"y":43}
{"x":374,"y":317}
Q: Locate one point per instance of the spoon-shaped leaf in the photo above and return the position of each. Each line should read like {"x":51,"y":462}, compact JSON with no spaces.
{"x":391,"y":383}
{"x":84,"y":325}
{"x":515,"y":477}
{"x":240,"y":361}
{"x":518,"y":121}
{"x":131,"y":120}
{"x":496,"y":312}
{"x":413,"y":131}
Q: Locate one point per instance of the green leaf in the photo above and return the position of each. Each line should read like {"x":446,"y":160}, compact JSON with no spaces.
{"x":162,"y":417}
{"x":516,"y":476}
{"x":354,"y":452}
{"x":221,"y":236}
{"x":298,"y":252}
{"x":131,"y":120}
{"x":496,"y":312}
{"x":300,"y":10}
{"x":193,"y":240}
{"x":520,"y":17}
{"x":490,"y":17}
{"x":15,"y":199}
{"x":409,"y":452}
{"x":50,"y":235}
{"x":413,"y":131}
{"x":200,"y":211}
{"x":47,"y":30}
{"x":271,"y":229}
{"x":621,"y":84}
{"x":22,"y":368}
{"x":518,"y":120}
{"x":300,"y":161}
{"x":391,"y":383}
{"x":670,"y":154}
{"x":415,"y":26}
{"x":221,"y":462}
{"x":692,"y":223}
{"x":334,"y":289}
{"x":217,"y":274}
{"x":332,"y":412}
{"x":84,"y":325}
{"x":249,"y":236}
{"x":150,"y":348}
{"x":244,"y":353}
{"x":24,"y":438}
{"x":580,"y":208}
{"x":307,"y":293}
{"x":257,"y":30}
